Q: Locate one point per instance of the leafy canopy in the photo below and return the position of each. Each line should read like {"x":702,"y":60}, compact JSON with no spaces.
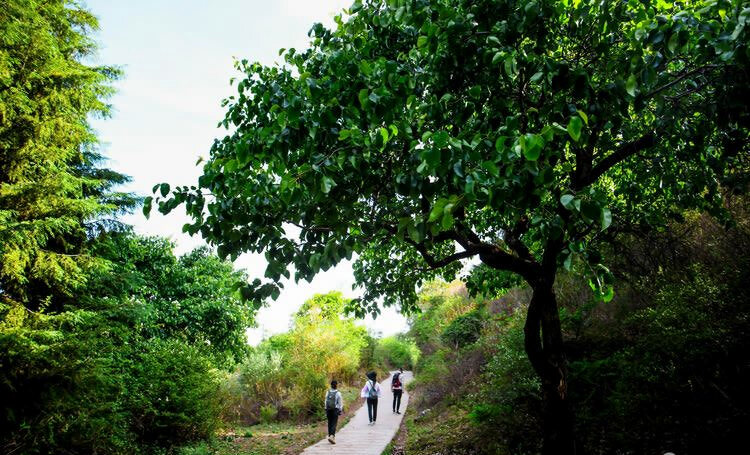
{"x":422,"y":132}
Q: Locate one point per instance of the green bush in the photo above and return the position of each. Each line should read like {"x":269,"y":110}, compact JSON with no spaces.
{"x":291,"y":372}
{"x":397,"y":352}
{"x":62,"y":381}
{"x":464,"y":330}
{"x":174,"y":393}
{"x":267,"y":413}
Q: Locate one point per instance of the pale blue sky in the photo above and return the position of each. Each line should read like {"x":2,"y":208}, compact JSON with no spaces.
{"x":177,"y":58}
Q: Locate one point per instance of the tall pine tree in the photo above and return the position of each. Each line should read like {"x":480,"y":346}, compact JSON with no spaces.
{"x":54,"y":197}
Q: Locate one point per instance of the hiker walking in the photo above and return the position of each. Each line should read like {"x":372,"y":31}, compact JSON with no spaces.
{"x":398,"y":389}
{"x":371,"y":391}
{"x":334,"y":408}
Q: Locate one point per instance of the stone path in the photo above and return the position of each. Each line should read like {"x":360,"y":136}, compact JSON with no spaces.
{"x":359,"y":438}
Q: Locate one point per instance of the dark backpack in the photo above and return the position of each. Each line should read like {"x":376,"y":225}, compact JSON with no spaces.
{"x":373,"y":392}
{"x":331,"y":399}
{"x":396,"y":382}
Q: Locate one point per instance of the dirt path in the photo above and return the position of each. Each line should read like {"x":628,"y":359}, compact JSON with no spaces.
{"x":359,"y":438}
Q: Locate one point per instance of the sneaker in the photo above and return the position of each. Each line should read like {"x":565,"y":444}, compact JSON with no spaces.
{"x":398,"y":412}
{"x":330,"y":439}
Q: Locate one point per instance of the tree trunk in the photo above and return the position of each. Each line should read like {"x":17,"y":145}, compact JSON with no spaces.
{"x":544,"y":347}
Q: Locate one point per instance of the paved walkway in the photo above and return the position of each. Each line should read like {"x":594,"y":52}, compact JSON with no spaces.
{"x":359,"y":438}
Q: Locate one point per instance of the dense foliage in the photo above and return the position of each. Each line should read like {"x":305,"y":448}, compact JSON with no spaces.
{"x":108,"y":342}
{"x":660,"y":368}
{"x":133,"y":366}
{"x":190,"y":298}
{"x":423,"y":132}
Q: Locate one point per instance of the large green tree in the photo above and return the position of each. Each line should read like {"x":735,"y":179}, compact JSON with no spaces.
{"x":191,"y":298}
{"x":108,"y":342}
{"x":54,"y":194}
{"x":420,"y":133}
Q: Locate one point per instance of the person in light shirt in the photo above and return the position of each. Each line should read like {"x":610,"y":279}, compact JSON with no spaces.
{"x":371,"y":391}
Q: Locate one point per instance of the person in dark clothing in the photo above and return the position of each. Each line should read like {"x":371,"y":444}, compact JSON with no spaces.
{"x":371,"y":391}
{"x":397,"y":388}
{"x":334,"y":408}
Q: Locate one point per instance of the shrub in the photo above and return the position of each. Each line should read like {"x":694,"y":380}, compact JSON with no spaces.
{"x":464,"y":330}
{"x":174,"y":393}
{"x":290,"y":372}
{"x":268,"y":413}
{"x":395,"y":352}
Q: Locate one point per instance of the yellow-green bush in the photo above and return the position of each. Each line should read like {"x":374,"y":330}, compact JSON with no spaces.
{"x":397,"y":352}
{"x":291,"y":371}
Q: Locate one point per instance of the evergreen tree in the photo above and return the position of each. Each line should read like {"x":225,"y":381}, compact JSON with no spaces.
{"x":54,"y":196}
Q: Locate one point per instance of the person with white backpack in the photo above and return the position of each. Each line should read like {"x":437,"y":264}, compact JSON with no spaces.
{"x":334,"y":408}
{"x":371,"y":391}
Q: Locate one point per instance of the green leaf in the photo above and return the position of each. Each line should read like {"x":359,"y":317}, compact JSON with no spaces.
{"x":500,"y":143}
{"x":583,"y":116}
{"x":147,"y":203}
{"x":674,"y":41}
{"x":164,"y":189}
{"x":384,"y":135}
{"x":568,"y":261}
{"x":414,"y":233}
{"x":631,"y":85}
{"x":431,"y":156}
{"x":491,"y":167}
{"x":606,"y":218}
{"x":422,"y":41}
{"x":365,"y":68}
{"x":590,"y":211}
{"x":510,"y":66}
{"x":532,"y":145}
{"x":574,"y":128}
{"x":229,"y":166}
{"x":363,"y":97}
{"x":447,"y":221}
{"x":326,"y":183}
{"x":548,"y":133}
{"x":440,"y":139}
{"x":437,"y":209}
{"x":243,"y":153}
{"x":567,"y":201}
{"x":497,"y":57}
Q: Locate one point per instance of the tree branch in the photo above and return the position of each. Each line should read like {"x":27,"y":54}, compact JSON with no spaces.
{"x":512,"y":238}
{"x":436,"y":264}
{"x":625,"y":150}
{"x":676,"y":80}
